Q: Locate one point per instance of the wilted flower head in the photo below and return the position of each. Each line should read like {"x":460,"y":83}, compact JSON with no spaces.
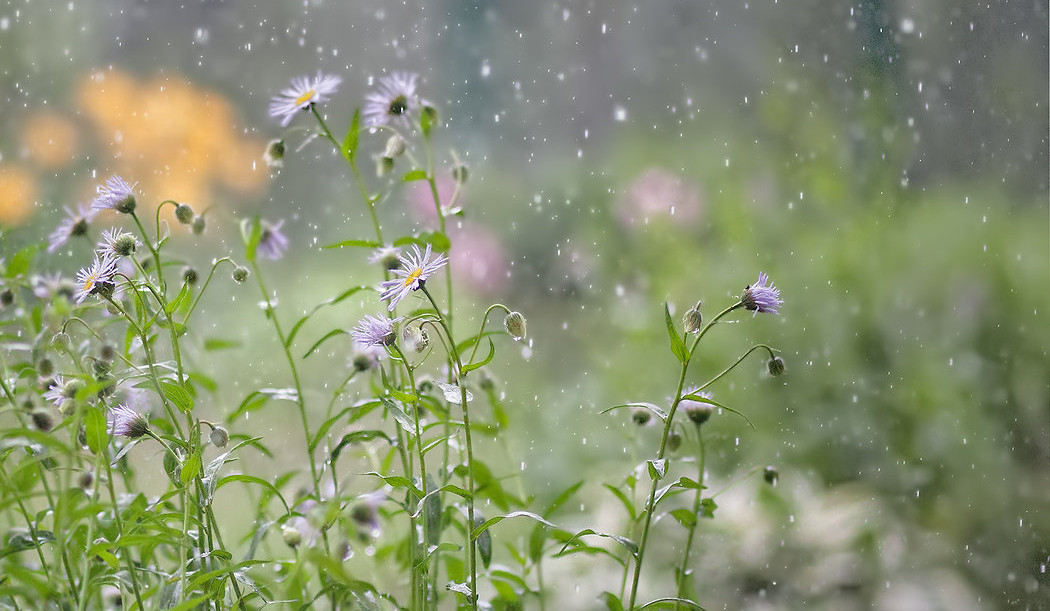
{"x":393,"y":101}
{"x":415,"y":269}
{"x":75,"y":224}
{"x":301,"y":94}
{"x":115,"y":194}
{"x":374,"y":331}
{"x":118,"y":243}
{"x":274,"y":154}
{"x":762,"y":296}
{"x":96,"y":278}
{"x":127,"y":422}
{"x":697,"y":411}
{"x":272,"y":242}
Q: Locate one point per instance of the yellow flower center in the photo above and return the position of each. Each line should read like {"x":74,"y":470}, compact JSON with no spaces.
{"x":413,"y":276}
{"x":90,"y":281}
{"x":306,"y":97}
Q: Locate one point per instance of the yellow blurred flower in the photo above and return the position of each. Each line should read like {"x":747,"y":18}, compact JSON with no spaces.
{"x":50,"y":139}
{"x":17,"y":194}
{"x":179,"y":140}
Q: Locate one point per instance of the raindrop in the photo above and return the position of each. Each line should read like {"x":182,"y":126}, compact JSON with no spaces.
{"x":486,"y":70}
{"x":620,"y":113}
{"x":201,"y":35}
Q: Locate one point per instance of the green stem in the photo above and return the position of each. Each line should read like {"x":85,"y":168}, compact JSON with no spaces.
{"x":682,"y":577}
{"x":120,"y":529}
{"x":649,"y":509}
{"x":352,"y":162}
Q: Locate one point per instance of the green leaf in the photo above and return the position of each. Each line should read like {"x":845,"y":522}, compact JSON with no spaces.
{"x":20,"y":262}
{"x":95,"y":430}
{"x":484,"y":539}
{"x":190,"y":468}
{"x":177,"y":395}
{"x":349,"y":147}
{"x":334,"y":300}
{"x":180,"y":299}
{"x":629,"y":545}
{"x":483,"y":362}
{"x":414,"y":175}
{"x":251,"y":233}
{"x":684,"y":516}
{"x":657,"y":468}
{"x":327,"y":336}
{"x":707,"y":508}
{"x":359,"y":437}
{"x":627,"y":504}
{"x":670,"y":603}
{"x":677,"y":345}
{"x":251,"y":479}
{"x":612,"y":601}
{"x":353,"y":243}
{"x":214,"y":343}
{"x":514,"y":514}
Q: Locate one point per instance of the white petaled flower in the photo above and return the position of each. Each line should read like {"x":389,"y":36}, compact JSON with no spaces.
{"x":127,"y":422}
{"x":393,"y":101}
{"x":301,"y":94}
{"x":115,"y":194}
{"x":415,"y":269}
{"x":118,"y":243}
{"x":96,"y":278}
{"x":75,"y":224}
{"x":374,"y":331}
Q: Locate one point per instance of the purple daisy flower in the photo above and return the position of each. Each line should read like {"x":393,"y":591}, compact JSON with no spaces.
{"x":96,"y":277}
{"x":374,"y":331}
{"x":762,"y":296}
{"x":415,"y":269}
{"x":62,"y":392}
{"x":127,"y":422}
{"x":75,"y":224}
{"x":393,"y":101}
{"x":115,"y":194}
{"x":272,"y":242}
{"x":303,"y":93}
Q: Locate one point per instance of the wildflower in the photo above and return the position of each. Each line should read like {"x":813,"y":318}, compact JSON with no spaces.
{"x":697,"y":411}
{"x":365,"y":513}
{"x":775,"y":366}
{"x":62,"y":393}
{"x":85,"y":480}
{"x":374,"y":331}
{"x":415,"y":269}
{"x":762,"y":296}
{"x":274,"y":154}
{"x":42,"y":420}
{"x":393,"y":101}
{"x":118,"y":243}
{"x":115,"y":194}
{"x":387,"y":256}
{"x":693,"y":320}
{"x":272,"y":242}
{"x":75,"y":224}
{"x":127,"y":422}
{"x":366,"y":359}
{"x":514,"y":323}
{"x":291,"y":535}
{"x":190,"y":276}
{"x":45,"y":286}
{"x":240,"y":274}
{"x":96,"y":278}
{"x":303,"y":93}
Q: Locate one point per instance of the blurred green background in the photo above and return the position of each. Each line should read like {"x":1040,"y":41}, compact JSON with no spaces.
{"x":884,"y":162}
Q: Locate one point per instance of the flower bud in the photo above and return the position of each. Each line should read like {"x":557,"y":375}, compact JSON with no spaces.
{"x":126,"y":205}
{"x":415,"y":338}
{"x":776,"y":366}
{"x":641,"y":416}
{"x":384,"y":166}
{"x":460,"y":173}
{"x":219,"y":436}
{"x":362,"y":361}
{"x":674,"y":441}
{"x":45,"y":367}
{"x":771,"y":475}
{"x":240,"y":274}
{"x":125,"y":244}
{"x":60,"y":340}
{"x":291,"y":535}
{"x":197,"y":226}
{"x":42,"y":420}
{"x":101,"y":368}
{"x":189,"y":276}
{"x":693,"y":320}
{"x":85,"y":480}
{"x":274,"y":154}
{"x":7,"y":297}
{"x":395,"y":147}
{"x":514,"y":323}
{"x":107,"y":352}
{"x":184,"y":214}
{"x":697,"y":411}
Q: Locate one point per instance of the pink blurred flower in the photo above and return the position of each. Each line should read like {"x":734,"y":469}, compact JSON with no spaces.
{"x":659,"y":193}
{"x":421,"y":201}
{"x":478,"y":259}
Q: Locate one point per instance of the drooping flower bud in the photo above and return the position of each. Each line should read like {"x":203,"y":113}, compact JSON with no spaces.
{"x":693,"y":320}
{"x":514,"y":323}
{"x":641,"y":416}
{"x":219,"y":436}
{"x":240,"y":274}
{"x":197,"y":226}
{"x":190,"y":276}
{"x":775,"y":366}
{"x":771,"y":475}
{"x":184,"y":214}
{"x":274,"y":154}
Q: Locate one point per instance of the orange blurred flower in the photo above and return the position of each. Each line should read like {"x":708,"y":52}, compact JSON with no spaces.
{"x":50,"y":139}
{"x":17,"y":194}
